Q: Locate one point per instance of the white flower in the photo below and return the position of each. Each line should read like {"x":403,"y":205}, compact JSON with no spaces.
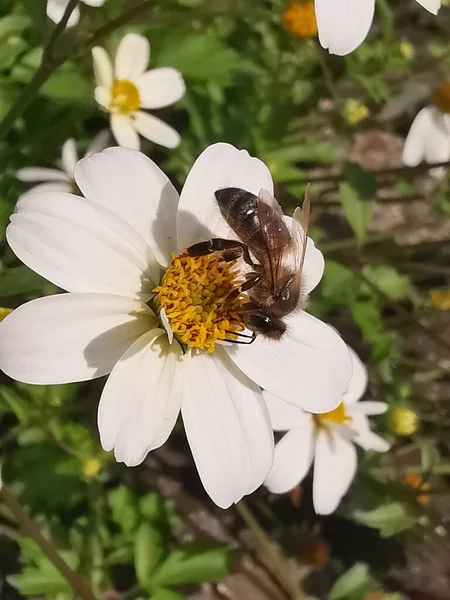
{"x":343,"y":25}
{"x":428,"y":140}
{"x":108,"y":251}
{"x":126,"y":88}
{"x":57,"y":8}
{"x":61,"y":179}
{"x":326,"y":439}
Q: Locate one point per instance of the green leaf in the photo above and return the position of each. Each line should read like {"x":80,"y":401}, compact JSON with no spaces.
{"x":389,"y":519}
{"x":33,"y":581}
{"x":69,"y":87}
{"x":166,"y":594}
{"x":357,"y":195}
{"x":429,"y":457}
{"x":37,"y":9}
{"x":394,"y":285}
{"x":194,"y":563}
{"x":13,"y":25}
{"x":152,"y":507}
{"x":354,"y":583}
{"x":338,"y":282}
{"x":21,"y":280}
{"x":148,"y":552}
{"x":124,"y":508}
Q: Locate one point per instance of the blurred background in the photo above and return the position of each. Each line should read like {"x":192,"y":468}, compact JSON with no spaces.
{"x":256,"y":77}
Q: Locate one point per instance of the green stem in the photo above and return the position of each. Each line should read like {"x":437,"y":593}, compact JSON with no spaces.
{"x":50,"y":63}
{"x":32,"y":530}
{"x":278,"y":566}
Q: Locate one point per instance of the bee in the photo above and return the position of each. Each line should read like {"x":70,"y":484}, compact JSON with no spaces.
{"x":275,"y":254}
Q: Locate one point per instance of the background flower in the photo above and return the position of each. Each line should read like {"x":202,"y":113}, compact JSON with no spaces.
{"x":126,"y":88}
{"x":327,"y":440}
{"x":57,"y":8}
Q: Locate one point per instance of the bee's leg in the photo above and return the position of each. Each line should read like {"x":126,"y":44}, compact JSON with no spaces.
{"x":229,"y":249}
{"x":250,"y":281}
{"x":245,"y":339}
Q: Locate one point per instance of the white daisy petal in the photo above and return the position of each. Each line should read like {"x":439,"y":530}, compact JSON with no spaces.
{"x":70,"y":337}
{"x":312,"y":357}
{"x":227,"y":426}
{"x":95,"y":3}
{"x":103,"y":68}
{"x":54,"y":186}
{"x":155,"y":130}
{"x":56,"y":10}
{"x":432,"y":5}
{"x":30,"y":174}
{"x":343,"y":25}
{"x":133,"y":55}
{"x":437,"y":141}
{"x":292,"y":460}
{"x":102,"y":96}
{"x":160,"y":87}
{"x":135,"y":188}
{"x":141,"y":399}
{"x":369,"y":407}
{"x":313,"y":267}
{"x":422,"y":126}
{"x":99,"y":142}
{"x":358,"y":382}
{"x":335,"y":464}
{"x":69,"y":157}
{"x":123,"y":130}
{"x":80,"y":246}
{"x":284,"y":415}
{"x":219,"y":166}
{"x":368,"y":440}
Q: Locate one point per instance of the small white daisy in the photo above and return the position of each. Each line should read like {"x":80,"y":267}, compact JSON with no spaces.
{"x":110,"y":250}
{"x":61,"y":178}
{"x":428,"y":140}
{"x":57,"y":8}
{"x":126,"y":88}
{"x":343,"y":25}
{"x":327,"y":440}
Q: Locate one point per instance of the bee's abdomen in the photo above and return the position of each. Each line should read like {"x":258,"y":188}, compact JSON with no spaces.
{"x":239,"y":208}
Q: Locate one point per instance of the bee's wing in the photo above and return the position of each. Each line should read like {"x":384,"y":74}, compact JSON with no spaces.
{"x":276,"y":234}
{"x":300,"y":230}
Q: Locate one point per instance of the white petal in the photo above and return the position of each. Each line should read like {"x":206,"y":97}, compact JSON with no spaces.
{"x":30,"y":174}
{"x":313,"y":267}
{"x":160,"y":87}
{"x":155,"y":130}
{"x":102,"y":96}
{"x":103,"y":69}
{"x":132,"y":56}
{"x":56,"y":10}
{"x":69,"y":157}
{"x":95,"y":3}
{"x":219,"y":166}
{"x":80,"y":246}
{"x":335,"y":466}
{"x":227,"y":426}
{"x":432,"y":5}
{"x":309,"y":367}
{"x":369,"y":407}
{"x":99,"y":142}
{"x":437,"y":143}
{"x":54,"y":186}
{"x":284,"y":415}
{"x":421,"y":128}
{"x":141,"y":399}
{"x":368,"y":440}
{"x":135,"y":188}
{"x":124,"y":131}
{"x":70,"y":337}
{"x":343,"y":24}
{"x":292,"y":459}
{"x":358,"y":382}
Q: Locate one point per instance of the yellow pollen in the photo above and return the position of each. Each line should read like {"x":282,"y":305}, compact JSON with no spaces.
{"x":300,"y":19}
{"x":195,"y":292}
{"x":125,"y":97}
{"x":338,"y":415}
{"x":441,"y":97}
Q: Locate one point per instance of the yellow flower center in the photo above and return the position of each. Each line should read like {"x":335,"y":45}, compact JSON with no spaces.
{"x":441,"y":97}
{"x":300,"y":19}
{"x":338,"y":415}
{"x":125,"y":97}
{"x":195,"y":294}
{"x":91,"y":467}
{"x":403,"y":420}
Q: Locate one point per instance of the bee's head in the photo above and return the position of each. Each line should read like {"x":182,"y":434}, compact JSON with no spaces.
{"x":266,"y":325}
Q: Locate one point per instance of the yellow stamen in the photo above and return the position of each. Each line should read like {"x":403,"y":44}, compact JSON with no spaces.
{"x":195,"y":294}
{"x":338,"y":415}
{"x":300,"y":19}
{"x":441,"y":97}
{"x":125,"y":97}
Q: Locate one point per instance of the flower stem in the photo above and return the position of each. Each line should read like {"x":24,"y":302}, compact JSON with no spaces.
{"x":32,"y":530}
{"x":277,"y":564}
{"x":50,"y":63}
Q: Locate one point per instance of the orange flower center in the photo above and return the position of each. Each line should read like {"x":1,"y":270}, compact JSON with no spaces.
{"x":441,"y":97}
{"x":125,"y":97}
{"x":338,"y":415}
{"x":415,"y":481}
{"x":300,"y":19}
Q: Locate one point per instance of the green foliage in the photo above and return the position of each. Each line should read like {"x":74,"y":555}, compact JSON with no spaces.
{"x":357,"y":194}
